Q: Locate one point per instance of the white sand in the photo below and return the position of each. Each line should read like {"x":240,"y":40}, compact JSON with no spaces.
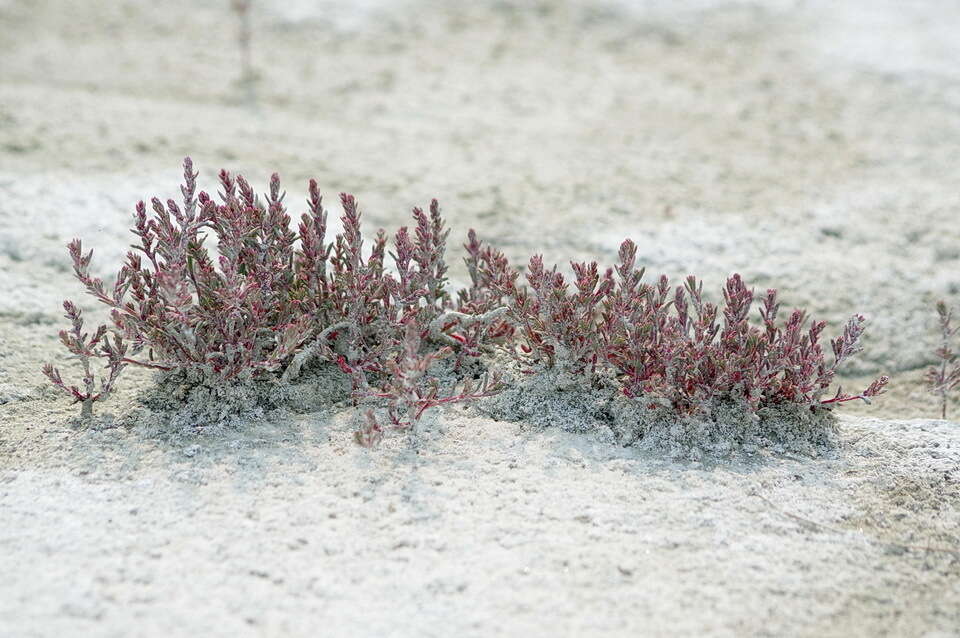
{"x":809,"y":147}
{"x":488,"y":529}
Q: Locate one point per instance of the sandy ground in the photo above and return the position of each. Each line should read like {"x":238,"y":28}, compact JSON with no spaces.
{"x":808,"y":146}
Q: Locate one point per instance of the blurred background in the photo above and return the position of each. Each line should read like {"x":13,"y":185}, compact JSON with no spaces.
{"x":812,"y":146}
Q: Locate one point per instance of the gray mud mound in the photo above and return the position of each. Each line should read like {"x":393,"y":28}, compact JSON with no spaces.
{"x":190,"y":402}
{"x":556,"y":398}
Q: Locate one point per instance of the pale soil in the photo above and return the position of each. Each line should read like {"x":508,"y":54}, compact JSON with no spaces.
{"x":808,"y":147}
{"x":486,"y":528}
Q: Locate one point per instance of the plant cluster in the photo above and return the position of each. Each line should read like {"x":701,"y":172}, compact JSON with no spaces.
{"x":945,"y":376}
{"x":265,"y":299}
{"x":669,"y":346}
{"x":224,"y":290}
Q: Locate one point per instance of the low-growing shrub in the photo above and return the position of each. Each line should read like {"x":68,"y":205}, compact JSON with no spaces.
{"x":221,"y":293}
{"x":669,"y":346}
{"x":264,"y":299}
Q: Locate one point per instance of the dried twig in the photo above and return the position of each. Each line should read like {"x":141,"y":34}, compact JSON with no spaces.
{"x":945,"y":376}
